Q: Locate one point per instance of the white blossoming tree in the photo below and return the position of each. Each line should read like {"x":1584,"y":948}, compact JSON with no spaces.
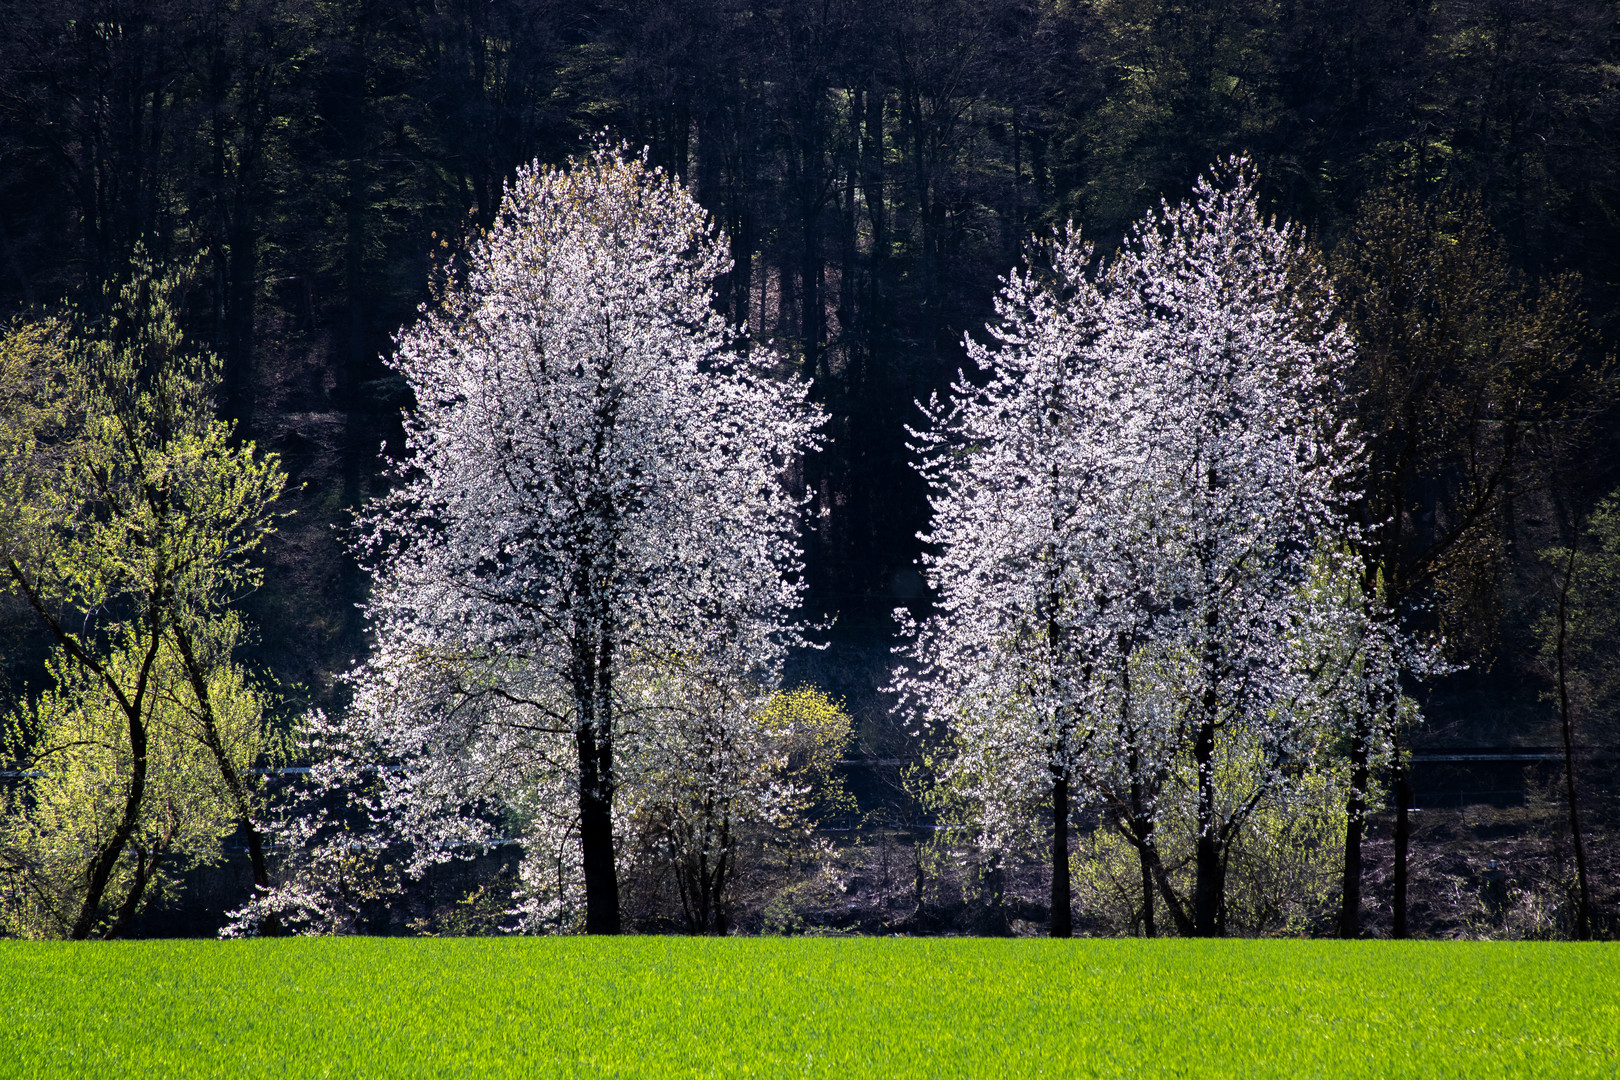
{"x":1038,"y":560}
{"x":593,"y":493}
{"x":1223,"y":312}
{"x":1144,"y":479}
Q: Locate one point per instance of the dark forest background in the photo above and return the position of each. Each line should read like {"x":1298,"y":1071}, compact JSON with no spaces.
{"x":877,"y":165}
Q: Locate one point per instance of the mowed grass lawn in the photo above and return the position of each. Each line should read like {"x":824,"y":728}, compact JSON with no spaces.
{"x":808,"y":1007}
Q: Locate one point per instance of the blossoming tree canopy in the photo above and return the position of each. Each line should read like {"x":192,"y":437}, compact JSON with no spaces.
{"x":1144,"y":470}
{"x":1226,"y":318}
{"x":594,"y":484}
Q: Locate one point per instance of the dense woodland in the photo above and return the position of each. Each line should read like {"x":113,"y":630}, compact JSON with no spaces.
{"x":877,"y":169}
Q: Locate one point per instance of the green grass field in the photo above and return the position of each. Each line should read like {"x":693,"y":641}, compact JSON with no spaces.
{"x":481,"y":1007}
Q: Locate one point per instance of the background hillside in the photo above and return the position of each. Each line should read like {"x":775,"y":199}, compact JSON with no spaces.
{"x":876,"y":165}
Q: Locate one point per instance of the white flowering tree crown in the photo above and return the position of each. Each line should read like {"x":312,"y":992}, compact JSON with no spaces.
{"x":1140,"y":484}
{"x":594,"y":490}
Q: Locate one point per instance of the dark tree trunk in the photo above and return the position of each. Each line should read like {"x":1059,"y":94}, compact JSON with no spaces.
{"x":596,"y":838}
{"x":1209,"y":868}
{"x":1140,"y":833}
{"x":593,"y":742}
{"x":872,"y":180}
{"x":810,"y":299}
{"x":99,"y":873}
{"x":235,"y":783}
{"x":1062,"y":909}
{"x":1355,"y":827}
{"x":145,"y":870}
{"x":242,"y":270}
{"x":1149,"y":929}
{"x":1209,"y":888}
{"x":1583,"y":923}
{"x":1403,"y":835}
{"x":101,"y":866}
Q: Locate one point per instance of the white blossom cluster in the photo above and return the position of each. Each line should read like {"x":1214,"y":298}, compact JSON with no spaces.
{"x":593,"y":500}
{"x":1136,"y":546}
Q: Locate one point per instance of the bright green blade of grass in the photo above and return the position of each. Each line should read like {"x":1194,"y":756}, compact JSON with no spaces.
{"x":808,"y":1007}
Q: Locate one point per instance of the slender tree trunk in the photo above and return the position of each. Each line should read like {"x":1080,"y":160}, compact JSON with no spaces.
{"x":1355,"y":826}
{"x":722,"y":872}
{"x":145,"y":870}
{"x":99,"y":872}
{"x":1141,"y":825}
{"x":872,"y":179}
{"x":101,"y":865}
{"x":1583,"y":924}
{"x":235,"y":784}
{"x":1148,"y":927}
{"x":243,"y":269}
{"x":847,"y":241}
{"x":705,"y":890}
{"x":1403,"y":835}
{"x":810,"y":298}
{"x":1209,"y":881}
{"x":1062,"y":910}
{"x":919,"y":877}
{"x":680,"y":853}
{"x":1149,"y":856}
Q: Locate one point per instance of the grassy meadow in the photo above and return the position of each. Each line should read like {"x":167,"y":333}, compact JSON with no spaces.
{"x":839,"y":1007}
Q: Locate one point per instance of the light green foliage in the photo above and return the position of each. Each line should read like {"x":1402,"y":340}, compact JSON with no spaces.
{"x":1283,"y":868}
{"x":76,"y":741}
{"x":33,"y":363}
{"x":679,"y":1007}
{"x":130,"y":521}
{"x":727,"y":803}
{"x":123,"y":491}
{"x":151,"y":500}
{"x":812,"y":731}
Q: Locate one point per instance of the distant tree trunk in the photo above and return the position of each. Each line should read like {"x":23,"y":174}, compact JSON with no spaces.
{"x":242,"y":270}
{"x":786,"y":295}
{"x":847,"y":242}
{"x":810,"y":296}
{"x":1583,"y":925}
{"x":872,"y":190}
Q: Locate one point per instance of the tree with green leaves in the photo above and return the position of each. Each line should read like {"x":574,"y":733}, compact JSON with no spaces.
{"x":1459,"y":363}
{"x":129,"y":520}
{"x":82,"y":754}
{"x":1579,"y":634}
